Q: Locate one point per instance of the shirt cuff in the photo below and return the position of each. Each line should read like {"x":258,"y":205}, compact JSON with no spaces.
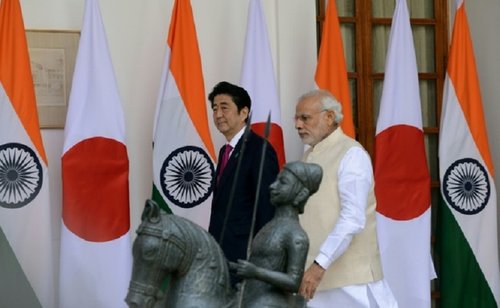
{"x":322,"y":261}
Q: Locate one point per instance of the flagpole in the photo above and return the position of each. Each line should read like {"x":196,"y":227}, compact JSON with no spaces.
{"x":259,"y":182}
{"x":256,"y":202}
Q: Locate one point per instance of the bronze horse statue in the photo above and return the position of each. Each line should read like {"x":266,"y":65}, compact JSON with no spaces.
{"x":171,"y":245}
{"x":171,"y":248}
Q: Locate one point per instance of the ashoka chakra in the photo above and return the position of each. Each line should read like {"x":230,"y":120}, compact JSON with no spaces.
{"x":21,"y":175}
{"x":466,"y":186}
{"x":186,"y":176}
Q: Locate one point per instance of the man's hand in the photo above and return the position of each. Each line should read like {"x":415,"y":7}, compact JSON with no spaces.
{"x":310,"y":281}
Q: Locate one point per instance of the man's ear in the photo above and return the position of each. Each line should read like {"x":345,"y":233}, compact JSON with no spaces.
{"x":244,"y":112}
{"x":331,"y":117}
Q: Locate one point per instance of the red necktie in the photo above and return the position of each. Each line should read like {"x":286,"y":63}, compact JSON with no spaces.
{"x":224,"y":159}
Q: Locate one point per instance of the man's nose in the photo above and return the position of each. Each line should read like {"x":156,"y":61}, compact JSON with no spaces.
{"x":298,"y":123}
{"x":217,"y":114}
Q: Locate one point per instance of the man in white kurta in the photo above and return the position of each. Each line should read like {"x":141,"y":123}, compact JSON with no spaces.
{"x":343,"y":267}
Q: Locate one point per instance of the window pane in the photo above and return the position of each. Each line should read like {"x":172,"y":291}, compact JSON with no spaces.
{"x":383,"y":8}
{"x":380,"y":41}
{"x":428,"y":100}
{"x":349,"y":40}
{"x":431,"y":149}
{"x":423,"y":39}
{"x":345,"y":8}
{"x":421,"y":8}
{"x":377,"y":95}
{"x":435,"y":201}
{"x":354,"y":100}
{"x":416,"y":8}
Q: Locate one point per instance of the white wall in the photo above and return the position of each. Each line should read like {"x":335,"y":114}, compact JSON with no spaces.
{"x":137,"y":31}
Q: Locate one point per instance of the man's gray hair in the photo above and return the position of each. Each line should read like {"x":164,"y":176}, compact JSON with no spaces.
{"x":328,"y":102}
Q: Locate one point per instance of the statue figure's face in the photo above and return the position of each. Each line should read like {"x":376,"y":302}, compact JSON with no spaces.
{"x":284,"y":189}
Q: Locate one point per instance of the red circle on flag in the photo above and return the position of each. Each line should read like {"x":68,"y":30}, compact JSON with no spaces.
{"x":402,"y":181}
{"x":95,"y":189}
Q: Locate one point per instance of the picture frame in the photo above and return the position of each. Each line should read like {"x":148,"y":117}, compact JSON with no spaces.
{"x":52,"y":58}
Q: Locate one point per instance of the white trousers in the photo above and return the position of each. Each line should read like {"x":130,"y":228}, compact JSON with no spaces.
{"x":373,"y":295}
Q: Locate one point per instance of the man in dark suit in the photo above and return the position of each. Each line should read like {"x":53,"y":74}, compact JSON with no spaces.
{"x":231,"y":107}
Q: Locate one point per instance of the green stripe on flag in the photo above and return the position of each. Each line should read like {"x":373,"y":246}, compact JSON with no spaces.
{"x":15,"y":289}
{"x":157,"y":197}
{"x":462,"y":283}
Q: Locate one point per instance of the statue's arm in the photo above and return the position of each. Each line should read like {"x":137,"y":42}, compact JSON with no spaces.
{"x":288,"y":281}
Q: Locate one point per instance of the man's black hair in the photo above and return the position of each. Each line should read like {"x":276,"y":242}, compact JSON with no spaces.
{"x":238,"y":94}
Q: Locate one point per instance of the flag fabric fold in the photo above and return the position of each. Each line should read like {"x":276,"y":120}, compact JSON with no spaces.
{"x":257,"y":77}
{"x":402,"y":180}
{"x":331,"y":70}
{"x":96,"y":253}
{"x":468,"y":243}
{"x":183,"y":152}
{"x":25,"y":209}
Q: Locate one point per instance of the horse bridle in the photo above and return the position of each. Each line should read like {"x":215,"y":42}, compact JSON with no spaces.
{"x":161,"y":256}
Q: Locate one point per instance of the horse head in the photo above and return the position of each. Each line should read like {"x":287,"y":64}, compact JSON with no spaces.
{"x":159,"y":250}
{"x":169,"y":248}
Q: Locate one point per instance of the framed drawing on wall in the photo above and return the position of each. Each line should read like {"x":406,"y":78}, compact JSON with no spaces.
{"x":52,"y":56}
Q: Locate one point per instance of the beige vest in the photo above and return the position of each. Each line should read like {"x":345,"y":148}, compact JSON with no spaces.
{"x":360,"y":263}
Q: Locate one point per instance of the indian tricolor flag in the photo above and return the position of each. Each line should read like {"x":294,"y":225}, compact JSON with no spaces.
{"x":257,"y":77}
{"x":26,"y":250}
{"x":468,"y":244}
{"x":96,"y":253}
{"x":331,"y":71}
{"x":402,"y":180}
{"x":183,"y":152}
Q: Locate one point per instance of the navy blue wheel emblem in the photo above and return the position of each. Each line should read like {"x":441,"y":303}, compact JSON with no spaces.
{"x":466,"y":186}
{"x":186,"y":176}
{"x":21,"y":175}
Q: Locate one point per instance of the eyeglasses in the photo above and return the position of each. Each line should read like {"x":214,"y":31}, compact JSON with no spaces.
{"x":305,"y":118}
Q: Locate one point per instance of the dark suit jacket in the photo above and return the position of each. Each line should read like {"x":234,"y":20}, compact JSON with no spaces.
{"x":237,"y":229}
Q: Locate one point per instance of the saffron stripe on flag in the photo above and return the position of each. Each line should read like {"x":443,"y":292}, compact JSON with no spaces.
{"x":331,"y":71}
{"x":185,"y":65}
